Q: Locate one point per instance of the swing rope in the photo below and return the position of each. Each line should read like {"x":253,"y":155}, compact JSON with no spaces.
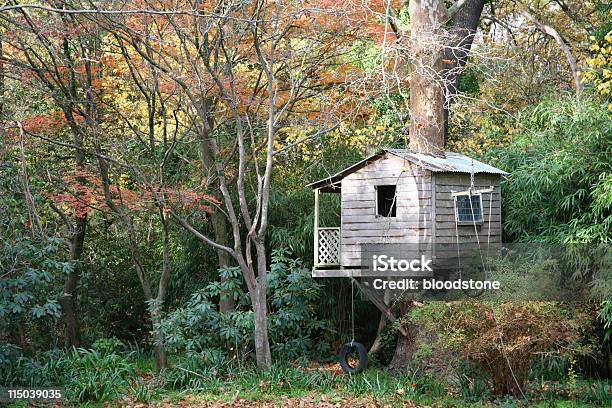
{"x":497,"y":328}
{"x":347,"y":349}
{"x":352,"y":309}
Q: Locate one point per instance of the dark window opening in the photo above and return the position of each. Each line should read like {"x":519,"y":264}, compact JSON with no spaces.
{"x":467,"y":212}
{"x":385,"y":201}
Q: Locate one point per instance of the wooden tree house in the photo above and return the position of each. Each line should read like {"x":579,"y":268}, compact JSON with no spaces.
{"x":399,"y":196}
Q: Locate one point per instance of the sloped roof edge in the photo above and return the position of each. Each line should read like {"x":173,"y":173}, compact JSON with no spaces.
{"x":452,"y":163}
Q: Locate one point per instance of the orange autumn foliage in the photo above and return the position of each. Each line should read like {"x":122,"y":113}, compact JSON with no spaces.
{"x":83,"y":192}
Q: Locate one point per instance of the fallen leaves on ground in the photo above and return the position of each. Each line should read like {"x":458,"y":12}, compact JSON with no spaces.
{"x":308,"y":401}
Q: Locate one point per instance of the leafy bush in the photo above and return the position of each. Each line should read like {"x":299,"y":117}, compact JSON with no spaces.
{"x":86,"y":374}
{"x":18,"y":370}
{"x":560,"y":185}
{"x":205,"y":333}
{"x":30,"y":288}
{"x":500,"y":341}
{"x":92,"y":375}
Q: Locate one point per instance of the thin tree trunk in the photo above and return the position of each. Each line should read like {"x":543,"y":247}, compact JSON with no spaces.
{"x":260,"y":308}
{"x":161,"y":357}
{"x":127,"y":221}
{"x":72,"y":336}
{"x":377,"y":345}
{"x":226,"y":300}
{"x":23,"y":340}
{"x":154,"y":309}
{"x":382,"y":323}
{"x":1,"y":75}
{"x":35,"y":225}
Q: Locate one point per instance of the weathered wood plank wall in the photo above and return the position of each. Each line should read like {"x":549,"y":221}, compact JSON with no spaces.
{"x":446,"y":232}
{"x":361,"y":225}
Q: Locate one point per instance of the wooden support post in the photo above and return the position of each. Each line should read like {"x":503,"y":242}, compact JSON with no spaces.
{"x":381,"y":305}
{"x":316,"y":227}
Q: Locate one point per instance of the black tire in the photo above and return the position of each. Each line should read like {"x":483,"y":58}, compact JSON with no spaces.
{"x":344,"y":354}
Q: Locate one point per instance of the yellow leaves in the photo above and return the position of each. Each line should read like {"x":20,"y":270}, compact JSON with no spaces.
{"x":480,"y":143}
{"x":603,"y":88}
{"x":123,"y":181}
{"x":600,"y":72}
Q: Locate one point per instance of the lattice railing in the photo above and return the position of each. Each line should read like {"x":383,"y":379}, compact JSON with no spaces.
{"x":328,"y":248}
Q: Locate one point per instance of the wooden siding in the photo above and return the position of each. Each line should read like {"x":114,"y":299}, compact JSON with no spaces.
{"x":446,"y":233}
{"x":361,"y":225}
{"x":417,"y":221}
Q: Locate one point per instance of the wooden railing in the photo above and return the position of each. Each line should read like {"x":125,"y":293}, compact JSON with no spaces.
{"x":327,"y":246}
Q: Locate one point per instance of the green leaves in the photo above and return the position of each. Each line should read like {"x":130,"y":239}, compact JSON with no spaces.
{"x":31,"y":283}
{"x":200,"y":328}
{"x":559,"y":188}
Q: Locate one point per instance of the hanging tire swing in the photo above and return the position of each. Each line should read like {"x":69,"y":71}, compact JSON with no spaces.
{"x":349,"y":349}
{"x":346,"y":351}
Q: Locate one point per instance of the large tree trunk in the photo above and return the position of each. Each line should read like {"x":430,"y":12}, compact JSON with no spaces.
{"x":427,"y":87}
{"x":406,"y":345}
{"x":462,"y":31}
{"x":426,"y":90}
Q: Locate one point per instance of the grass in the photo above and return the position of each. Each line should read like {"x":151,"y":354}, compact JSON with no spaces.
{"x":374,"y":385}
{"x":286,"y":386}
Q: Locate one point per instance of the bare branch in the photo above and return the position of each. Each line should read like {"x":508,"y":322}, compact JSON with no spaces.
{"x":571,"y":60}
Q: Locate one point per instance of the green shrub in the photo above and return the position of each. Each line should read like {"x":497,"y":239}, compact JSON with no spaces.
{"x":499,"y":342}
{"x":92,"y":375}
{"x":211,"y":337}
{"x":18,"y":370}
{"x":560,"y":185}
{"x":598,"y":392}
{"x":29,"y":295}
{"x":86,"y":375}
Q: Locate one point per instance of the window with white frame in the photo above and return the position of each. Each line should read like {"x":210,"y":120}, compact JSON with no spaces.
{"x":468,"y":208}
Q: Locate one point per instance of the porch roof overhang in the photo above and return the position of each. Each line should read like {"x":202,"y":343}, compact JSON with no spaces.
{"x":332,"y":184}
{"x":450,"y":163}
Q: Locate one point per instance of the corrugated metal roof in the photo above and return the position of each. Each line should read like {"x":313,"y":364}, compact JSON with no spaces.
{"x":453,"y":162}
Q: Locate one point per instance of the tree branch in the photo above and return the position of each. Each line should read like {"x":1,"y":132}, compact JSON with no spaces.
{"x":546,"y":29}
